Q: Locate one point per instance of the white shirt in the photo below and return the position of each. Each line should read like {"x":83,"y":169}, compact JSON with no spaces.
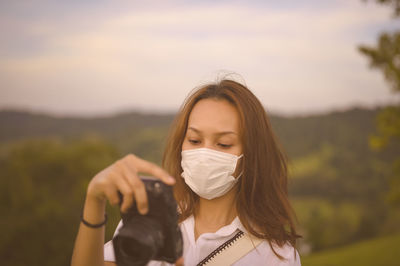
{"x":196,"y":250}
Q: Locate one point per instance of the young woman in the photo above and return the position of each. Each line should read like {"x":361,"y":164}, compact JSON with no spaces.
{"x":228,"y":173}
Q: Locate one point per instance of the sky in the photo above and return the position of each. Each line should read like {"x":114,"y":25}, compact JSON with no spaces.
{"x":100,"y":57}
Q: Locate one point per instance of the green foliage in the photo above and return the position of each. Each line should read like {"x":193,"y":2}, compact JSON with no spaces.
{"x":388,"y":124}
{"x":386,"y":57}
{"x":43,"y":183}
{"x":316,"y":216}
{"x":339,"y":194}
{"x":145,"y":142}
{"x":339,"y":174}
{"x":311,"y":164}
{"x":394,"y":193}
{"x":380,"y":251}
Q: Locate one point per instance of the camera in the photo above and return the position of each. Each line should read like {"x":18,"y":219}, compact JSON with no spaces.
{"x":153,"y":236}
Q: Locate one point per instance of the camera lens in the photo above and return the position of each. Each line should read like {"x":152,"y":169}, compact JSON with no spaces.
{"x":135,"y":252}
{"x":142,"y":245}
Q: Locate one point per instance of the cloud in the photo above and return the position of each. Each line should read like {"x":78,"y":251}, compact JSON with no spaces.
{"x":294,"y":59}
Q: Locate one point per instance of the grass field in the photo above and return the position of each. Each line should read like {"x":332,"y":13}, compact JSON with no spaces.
{"x":380,"y":251}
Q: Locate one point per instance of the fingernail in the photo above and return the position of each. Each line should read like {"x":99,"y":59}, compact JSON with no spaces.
{"x":143,"y":210}
{"x":171,"y":179}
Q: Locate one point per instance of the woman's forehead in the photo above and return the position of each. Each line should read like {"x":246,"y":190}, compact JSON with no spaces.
{"x":214,"y":115}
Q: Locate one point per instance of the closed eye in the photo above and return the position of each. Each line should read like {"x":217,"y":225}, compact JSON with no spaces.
{"x":225,"y":146}
{"x":194,"y":141}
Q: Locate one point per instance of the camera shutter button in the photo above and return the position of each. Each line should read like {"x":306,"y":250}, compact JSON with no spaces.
{"x":157,"y":188}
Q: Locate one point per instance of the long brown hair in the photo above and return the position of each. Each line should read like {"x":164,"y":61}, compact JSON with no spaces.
{"x":262,"y":199}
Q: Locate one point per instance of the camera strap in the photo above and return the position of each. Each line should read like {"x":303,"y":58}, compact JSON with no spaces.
{"x":232,"y":250}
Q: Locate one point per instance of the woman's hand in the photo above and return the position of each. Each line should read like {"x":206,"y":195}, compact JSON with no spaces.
{"x":123,"y":176}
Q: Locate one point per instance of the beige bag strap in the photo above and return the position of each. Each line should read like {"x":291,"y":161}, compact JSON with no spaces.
{"x":235,"y":251}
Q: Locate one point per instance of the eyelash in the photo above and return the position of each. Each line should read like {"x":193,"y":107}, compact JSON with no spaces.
{"x":193,"y":141}
{"x":224,"y":146}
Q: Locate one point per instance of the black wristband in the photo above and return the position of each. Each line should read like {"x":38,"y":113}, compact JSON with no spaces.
{"x":94,"y":225}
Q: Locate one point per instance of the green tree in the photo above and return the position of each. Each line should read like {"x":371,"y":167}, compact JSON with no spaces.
{"x":385,"y":56}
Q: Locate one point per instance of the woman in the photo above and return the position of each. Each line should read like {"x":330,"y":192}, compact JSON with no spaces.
{"x":228,"y":173}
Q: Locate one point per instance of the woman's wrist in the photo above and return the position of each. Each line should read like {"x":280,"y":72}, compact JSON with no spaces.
{"x":98,"y":225}
{"x":94,"y":210}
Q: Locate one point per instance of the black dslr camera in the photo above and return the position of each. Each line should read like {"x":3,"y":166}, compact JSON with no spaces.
{"x":154,"y":236}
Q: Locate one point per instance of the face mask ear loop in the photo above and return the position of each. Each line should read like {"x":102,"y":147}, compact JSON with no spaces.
{"x":241,"y":173}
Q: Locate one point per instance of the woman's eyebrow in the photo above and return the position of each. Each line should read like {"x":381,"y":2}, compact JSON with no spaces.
{"x":218,"y":133}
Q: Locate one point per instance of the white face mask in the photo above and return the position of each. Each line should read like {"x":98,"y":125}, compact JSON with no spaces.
{"x":208,"y":172}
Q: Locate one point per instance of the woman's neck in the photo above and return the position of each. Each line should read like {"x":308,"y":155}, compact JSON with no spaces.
{"x":213,"y":214}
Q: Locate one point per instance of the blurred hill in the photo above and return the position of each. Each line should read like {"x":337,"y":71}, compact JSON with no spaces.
{"x":300,"y":134}
{"x":379,"y":251}
{"x":22,"y":124}
{"x":121,"y":129}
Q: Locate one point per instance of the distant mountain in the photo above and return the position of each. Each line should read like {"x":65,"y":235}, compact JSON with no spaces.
{"x":16,"y":125}
{"x":299,"y":134}
{"x":304,"y":134}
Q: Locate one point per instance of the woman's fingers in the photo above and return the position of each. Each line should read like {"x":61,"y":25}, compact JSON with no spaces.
{"x":140,"y":196}
{"x":147,"y":167}
{"x":122,"y":176}
{"x":111,"y":194}
{"x":137,"y":186}
{"x":126,"y":190}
